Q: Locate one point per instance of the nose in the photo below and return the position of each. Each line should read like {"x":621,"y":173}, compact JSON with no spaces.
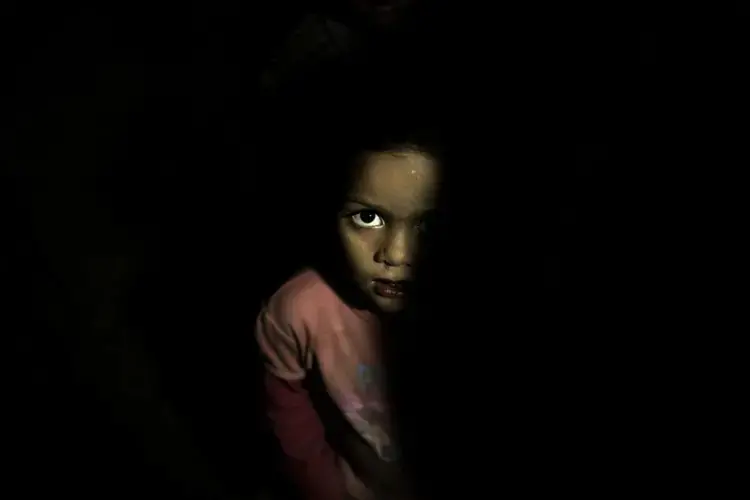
{"x":397,"y":249}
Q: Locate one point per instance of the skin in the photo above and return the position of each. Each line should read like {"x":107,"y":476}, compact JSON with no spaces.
{"x":390,"y":198}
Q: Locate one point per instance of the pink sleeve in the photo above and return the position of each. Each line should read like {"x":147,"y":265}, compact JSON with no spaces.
{"x":309,"y":459}
{"x":284,"y":349}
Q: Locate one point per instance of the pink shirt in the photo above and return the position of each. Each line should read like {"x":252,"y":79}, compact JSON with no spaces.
{"x":304,"y":325}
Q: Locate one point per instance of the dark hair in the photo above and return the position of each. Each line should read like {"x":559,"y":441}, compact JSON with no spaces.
{"x":377,"y":103}
{"x":319,"y":132}
{"x":348,"y":149}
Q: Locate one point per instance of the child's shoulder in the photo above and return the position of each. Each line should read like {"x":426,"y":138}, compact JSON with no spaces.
{"x":302,"y":296}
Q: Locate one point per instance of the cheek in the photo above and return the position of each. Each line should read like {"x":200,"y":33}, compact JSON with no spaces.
{"x":359,"y":246}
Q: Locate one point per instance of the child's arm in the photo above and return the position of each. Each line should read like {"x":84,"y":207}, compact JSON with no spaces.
{"x":309,"y":459}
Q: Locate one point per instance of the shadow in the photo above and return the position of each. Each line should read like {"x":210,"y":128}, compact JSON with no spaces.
{"x":149,"y":218}
{"x":138,"y":261}
{"x":507,"y":379}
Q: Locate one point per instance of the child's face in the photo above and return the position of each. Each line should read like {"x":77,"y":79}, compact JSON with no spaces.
{"x":386,"y":207}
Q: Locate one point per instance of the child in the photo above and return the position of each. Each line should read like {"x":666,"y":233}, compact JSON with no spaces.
{"x":319,"y":334}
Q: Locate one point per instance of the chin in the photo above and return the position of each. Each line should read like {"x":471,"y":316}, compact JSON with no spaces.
{"x":389,"y":306}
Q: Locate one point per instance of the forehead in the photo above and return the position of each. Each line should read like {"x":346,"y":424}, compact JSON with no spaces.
{"x":402,"y":182}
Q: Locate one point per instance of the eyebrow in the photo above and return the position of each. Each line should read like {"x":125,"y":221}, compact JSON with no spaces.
{"x":381,"y":209}
{"x":365,"y":203}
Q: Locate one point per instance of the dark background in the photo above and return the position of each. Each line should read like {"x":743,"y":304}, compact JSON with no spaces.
{"x":143,"y":230}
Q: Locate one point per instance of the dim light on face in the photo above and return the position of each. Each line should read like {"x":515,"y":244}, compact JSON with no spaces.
{"x":380,"y":224}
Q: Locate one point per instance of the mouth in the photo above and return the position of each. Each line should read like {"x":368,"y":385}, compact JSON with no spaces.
{"x":390,"y":289}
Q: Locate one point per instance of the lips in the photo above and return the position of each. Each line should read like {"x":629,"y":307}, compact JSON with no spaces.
{"x":389,"y":288}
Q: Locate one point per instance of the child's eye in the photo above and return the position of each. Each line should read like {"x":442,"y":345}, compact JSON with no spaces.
{"x":368,"y":219}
